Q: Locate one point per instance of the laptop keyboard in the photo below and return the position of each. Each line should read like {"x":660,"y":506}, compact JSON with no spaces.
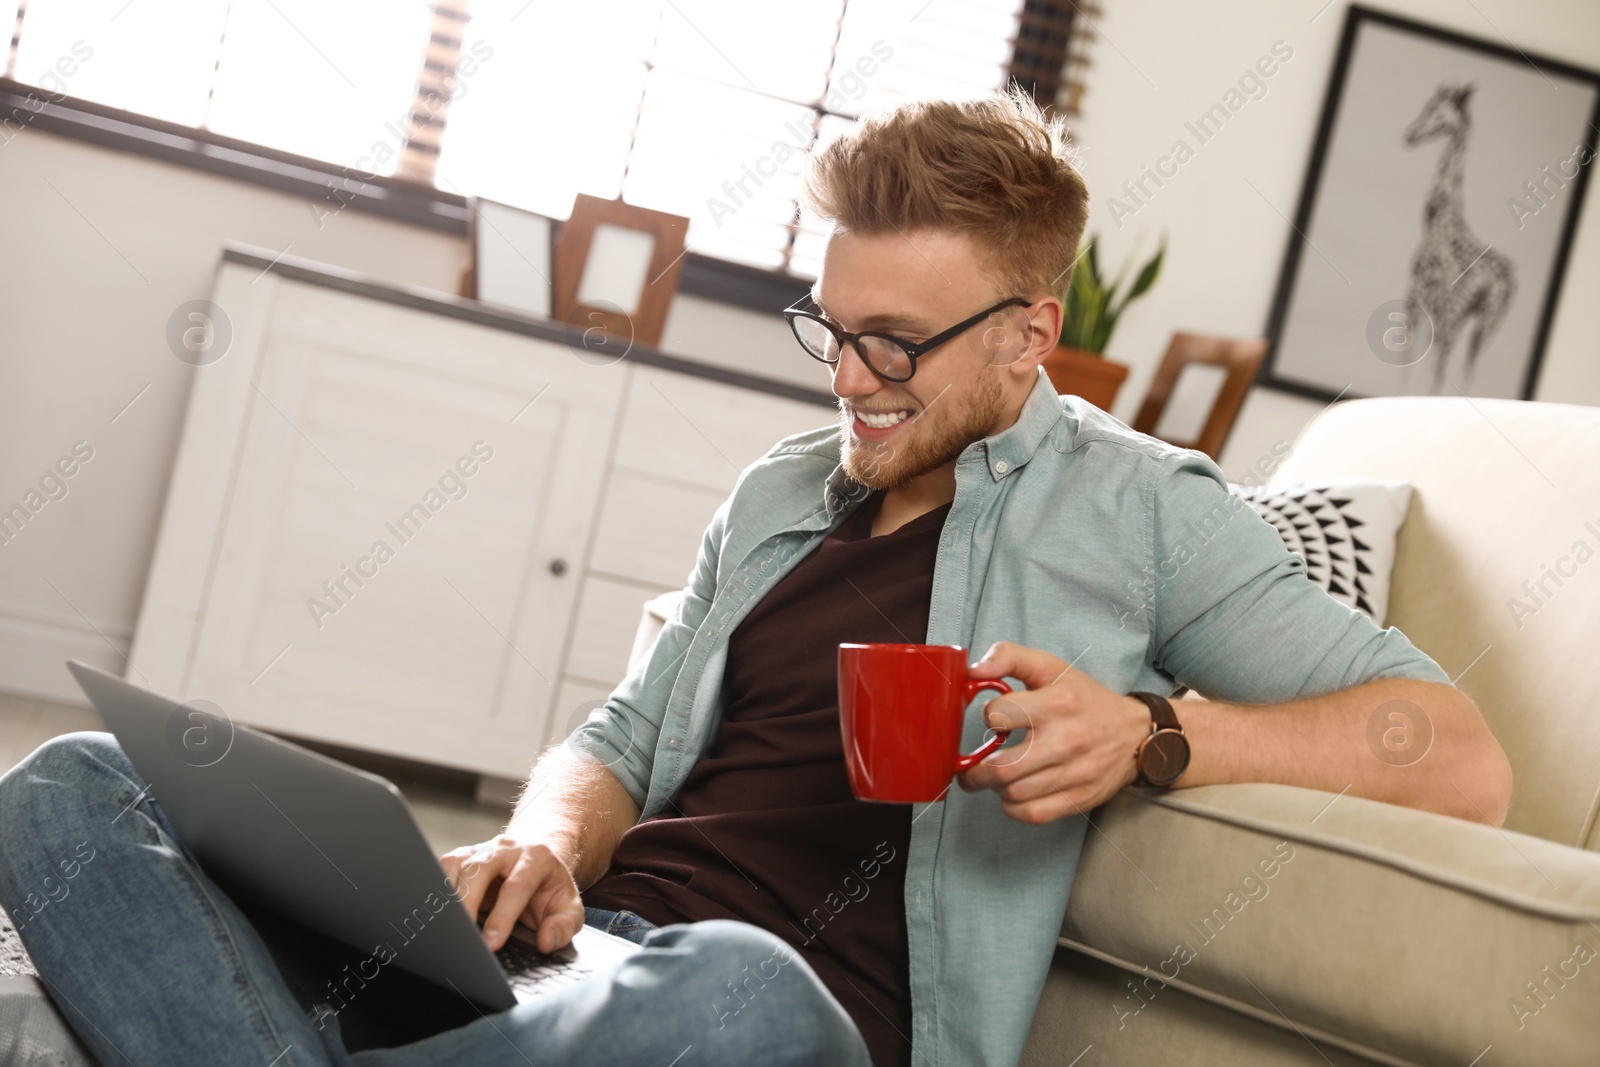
{"x":531,"y":972}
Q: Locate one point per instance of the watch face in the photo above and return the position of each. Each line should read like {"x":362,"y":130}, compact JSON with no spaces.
{"x":1163,"y":757}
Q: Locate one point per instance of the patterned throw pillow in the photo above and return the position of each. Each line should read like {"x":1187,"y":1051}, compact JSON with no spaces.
{"x":1345,"y":532}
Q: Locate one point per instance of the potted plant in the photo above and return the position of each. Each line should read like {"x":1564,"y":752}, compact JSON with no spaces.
{"x":1078,"y":364}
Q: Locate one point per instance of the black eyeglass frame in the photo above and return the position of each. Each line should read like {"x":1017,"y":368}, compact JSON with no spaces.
{"x":912,"y":350}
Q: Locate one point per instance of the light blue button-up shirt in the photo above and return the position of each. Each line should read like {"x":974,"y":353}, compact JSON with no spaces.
{"x":1116,"y":552}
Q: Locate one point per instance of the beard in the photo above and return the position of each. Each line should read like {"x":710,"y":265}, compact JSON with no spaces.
{"x":933,"y":437}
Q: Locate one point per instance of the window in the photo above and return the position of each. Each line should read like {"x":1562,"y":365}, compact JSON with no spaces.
{"x":154,"y":59}
{"x":703,"y":108}
{"x":314,"y":78}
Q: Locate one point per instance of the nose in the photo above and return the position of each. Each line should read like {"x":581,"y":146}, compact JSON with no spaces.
{"x":852,"y":377}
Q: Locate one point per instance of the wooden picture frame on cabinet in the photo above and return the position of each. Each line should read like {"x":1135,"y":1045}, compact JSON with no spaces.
{"x":617,"y":267}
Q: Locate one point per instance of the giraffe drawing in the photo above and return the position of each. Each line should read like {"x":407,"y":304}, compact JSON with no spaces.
{"x":1456,"y":278}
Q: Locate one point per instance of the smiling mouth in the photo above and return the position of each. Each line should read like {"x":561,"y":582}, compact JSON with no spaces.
{"x":882,"y":420}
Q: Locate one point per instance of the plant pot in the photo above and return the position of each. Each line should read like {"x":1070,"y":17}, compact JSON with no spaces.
{"x":1085,"y":374}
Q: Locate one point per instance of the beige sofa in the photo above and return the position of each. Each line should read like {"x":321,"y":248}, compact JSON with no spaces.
{"x":1262,"y":924}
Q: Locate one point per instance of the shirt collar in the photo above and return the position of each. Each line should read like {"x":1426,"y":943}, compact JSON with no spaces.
{"x":1011,"y":448}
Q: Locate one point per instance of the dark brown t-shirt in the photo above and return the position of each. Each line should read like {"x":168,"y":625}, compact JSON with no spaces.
{"x":765,"y":829}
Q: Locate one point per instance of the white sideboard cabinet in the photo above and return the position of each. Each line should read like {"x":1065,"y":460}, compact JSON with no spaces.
{"x":411,"y":524}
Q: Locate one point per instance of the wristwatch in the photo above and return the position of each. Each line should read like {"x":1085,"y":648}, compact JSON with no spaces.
{"x":1164,"y":755}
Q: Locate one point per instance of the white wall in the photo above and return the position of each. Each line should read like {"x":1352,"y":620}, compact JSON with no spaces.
{"x":1160,"y":63}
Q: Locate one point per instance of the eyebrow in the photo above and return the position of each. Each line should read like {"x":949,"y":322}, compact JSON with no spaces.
{"x":881,"y":322}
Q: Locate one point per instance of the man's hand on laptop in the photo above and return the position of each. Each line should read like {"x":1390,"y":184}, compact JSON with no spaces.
{"x":1080,"y":739}
{"x":515,"y":880}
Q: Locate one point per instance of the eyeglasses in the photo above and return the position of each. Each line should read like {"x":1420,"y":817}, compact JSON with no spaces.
{"x":891,"y":358}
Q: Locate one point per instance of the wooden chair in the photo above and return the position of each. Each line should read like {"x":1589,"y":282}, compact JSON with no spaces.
{"x":1198,"y":390}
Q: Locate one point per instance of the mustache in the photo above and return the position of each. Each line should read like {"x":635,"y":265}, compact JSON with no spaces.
{"x":847,"y":408}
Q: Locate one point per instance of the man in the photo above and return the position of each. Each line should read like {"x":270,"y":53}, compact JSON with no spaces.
{"x":959,"y":501}
{"x":1023,"y":522}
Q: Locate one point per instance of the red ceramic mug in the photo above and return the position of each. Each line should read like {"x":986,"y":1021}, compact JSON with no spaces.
{"x":900,"y":711}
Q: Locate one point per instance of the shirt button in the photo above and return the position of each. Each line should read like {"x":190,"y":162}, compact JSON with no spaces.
{"x":672,"y":743}
{"x":1001,"y":466}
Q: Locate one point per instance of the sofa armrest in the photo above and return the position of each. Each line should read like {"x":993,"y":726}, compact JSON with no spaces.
{"x":1400,"y":934}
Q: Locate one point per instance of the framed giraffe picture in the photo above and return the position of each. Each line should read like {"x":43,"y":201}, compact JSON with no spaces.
{"x":1427,"y":252}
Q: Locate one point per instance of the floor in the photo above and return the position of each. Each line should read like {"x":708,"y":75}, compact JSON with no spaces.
{"x":443,"y":802}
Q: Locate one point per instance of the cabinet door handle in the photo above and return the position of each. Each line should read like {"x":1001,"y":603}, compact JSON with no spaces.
{"x":558,"y":567}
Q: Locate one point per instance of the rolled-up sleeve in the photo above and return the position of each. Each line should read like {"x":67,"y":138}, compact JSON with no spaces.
{"x":1234,"y":615}
{"x":623,"y":733}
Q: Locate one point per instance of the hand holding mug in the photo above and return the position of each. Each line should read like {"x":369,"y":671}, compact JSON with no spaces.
{"x":1082,"y":737}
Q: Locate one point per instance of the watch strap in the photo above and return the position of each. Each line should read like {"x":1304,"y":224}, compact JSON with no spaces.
{"x":1161,"y":713}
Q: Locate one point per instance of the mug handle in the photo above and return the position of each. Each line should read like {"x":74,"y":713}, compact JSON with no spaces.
{"x":972,"y":759}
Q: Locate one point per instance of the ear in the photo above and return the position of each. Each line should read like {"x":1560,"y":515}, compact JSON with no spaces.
{"x":1044,"y":317}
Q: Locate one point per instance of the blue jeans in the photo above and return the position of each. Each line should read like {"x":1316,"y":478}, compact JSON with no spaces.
{"x":623,"y":924}
{"x":150,"y":962}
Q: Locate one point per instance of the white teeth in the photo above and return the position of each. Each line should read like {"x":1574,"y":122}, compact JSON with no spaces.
{"x":882,"y":420}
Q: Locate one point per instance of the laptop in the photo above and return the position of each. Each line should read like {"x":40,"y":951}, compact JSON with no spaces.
{"x":328,"y":845}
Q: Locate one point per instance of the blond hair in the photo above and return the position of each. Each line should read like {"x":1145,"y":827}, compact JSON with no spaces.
{"x":995,"y":169}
